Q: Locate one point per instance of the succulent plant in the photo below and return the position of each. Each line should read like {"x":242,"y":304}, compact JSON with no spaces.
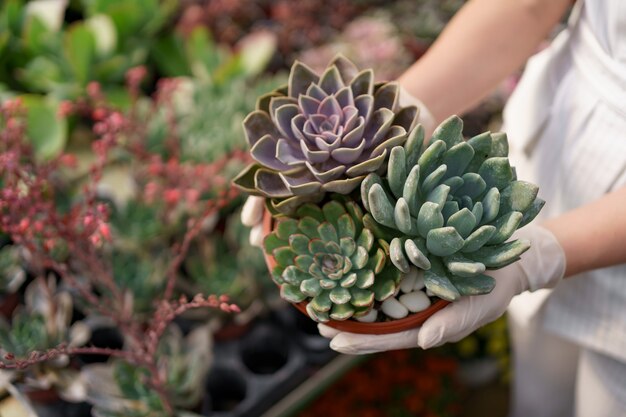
{"x":12,"y":274}
{"x":322,"y":134}
{"x":449,"y":207}
{"x":328,"y":257}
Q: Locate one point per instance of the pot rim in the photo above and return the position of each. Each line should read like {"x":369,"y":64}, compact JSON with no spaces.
{"x":352,"y":326}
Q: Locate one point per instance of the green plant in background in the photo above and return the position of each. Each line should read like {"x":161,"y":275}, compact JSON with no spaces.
{"x":326,"y":255}
{"x":117,"y":389}
{"x":44,"y":322}
{"x":12,"y":273}
{"x":448,"y":206}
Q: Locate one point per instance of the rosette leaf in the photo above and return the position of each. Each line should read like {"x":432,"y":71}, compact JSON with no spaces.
{"x":322,"y":134}
{"x":449,"y":206}
{"x":326,"y":256}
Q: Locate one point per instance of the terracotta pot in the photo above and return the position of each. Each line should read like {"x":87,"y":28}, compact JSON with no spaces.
{"x":353,"y":326}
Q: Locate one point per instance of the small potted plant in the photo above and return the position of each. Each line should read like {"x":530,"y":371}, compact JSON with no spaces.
{"x":366,"y":218}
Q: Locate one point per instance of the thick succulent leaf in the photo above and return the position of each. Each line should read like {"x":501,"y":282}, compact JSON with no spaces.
{"x":463,"y":267}
{"x":439,"y":284}
{"x":478,"y":238}
{"x":322,"y":301}
{"x":454,"y":183}
{"x":355,"y":211}
{"x":413,"y":145}
{"x":303,"y":262}
{"x":496,"y":172}
{"x":341,"y":312}
{"x":396,"y":173}
{"x":331,"y":81}
{"x":272,"y":241}
{"x":491,"y":205}
{"x":276,"y":274}
{"x":402,"y":216}
{"x":367,"y":166}
{"x":363,"y":84}
{"x":300,"y":183}
{"x":450,"y":131}
{"x":482,"y":148}
{"x":346,"y":227}
{"x":518,"y":196}
{"x":263,"y":102}
{"x":300,"y":78}
{"x":365,"y":278}
{"x":478,"y":285}
{"x":380,"y":231}
{"x":367,"y":183}
{"x":416,"y":255}
{"x":397,"y":256}
{"x":473,"y":185}
{"x":410,"y":192}
{"x":285,"y":228}
{"x":245,"y":180}
{"x":439,"y":195}
{"x":379,"y":124}
{"x":340,"y":295}
{"x":299,"y":243}
{"x":457,"y":158}
{"x":332,"y":211}
{"x":327,"y":232}
{"x":291,"y":293}
{"x":361,"y":298}
{"x":310,"y":287}
{"x":288,"y":206}
{"x":327,"y":284}
{"x":463,"y":221}
{"x":505,"y":227}
{"x":449,"y":208}
{"x":258,"y":124}
{"x":294,"y":276}
{"x":310,"y":210}
{"x":308,"y":225}
{"x":429,"y":160}
{"x":407,"y":118}
{"x":433,"y":179}
{"x":532,"y":212}
{"x":359,"y":258}
{"x":284,"y":256}
{"x":428,"y":218}
{"x":349,"y":280}
{"x":342,"y":186}
{"x":477,"y":211}
{"x":346,"y":68}
{"x":444,"y":241}
{"x":270,"y":184}
{"x":318,"y":316}
{"x":380,"y":207}
{"x":317,"y":246}
{"x":366,"y":239}
{"x":386,"y":284}
{"x":499,"y":144}
{"x":387,"y":96}
{"x":499,"y":256}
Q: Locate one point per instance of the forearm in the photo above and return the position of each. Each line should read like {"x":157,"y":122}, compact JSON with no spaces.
{"x":593,"y":236}
{"x":486,"y":41}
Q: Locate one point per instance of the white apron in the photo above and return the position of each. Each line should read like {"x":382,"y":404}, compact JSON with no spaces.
{"x":566,"y":123}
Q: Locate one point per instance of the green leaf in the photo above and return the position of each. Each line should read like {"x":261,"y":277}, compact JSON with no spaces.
{"x":478,"y":285}
{"x":444,"y":241}
{"x":449,"y":131}
{"x":46,"y":130}
{"x":506,"y":226}
{"x":79,"y":48}
{"x":496,"y":172}
{"x":396,"y":174}
{"x":169,"y":57}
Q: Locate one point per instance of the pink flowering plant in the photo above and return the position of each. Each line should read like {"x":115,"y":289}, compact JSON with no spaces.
{"x":115,"y":253}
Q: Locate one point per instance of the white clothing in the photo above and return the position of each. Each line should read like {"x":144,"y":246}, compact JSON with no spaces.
{"x":567,"y":128}
{"x":557,"y":378}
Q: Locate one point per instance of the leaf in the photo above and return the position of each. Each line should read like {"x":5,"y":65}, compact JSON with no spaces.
{"x":169,"y":57}
{"x":79,"y":48}
{"x":46,"y":130}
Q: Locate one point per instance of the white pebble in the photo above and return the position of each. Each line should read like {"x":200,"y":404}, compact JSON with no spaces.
{"x":419,"y":281}
{"x":415,"y":301}
{"x":408,"y":281}
{"x":394,"y":309}
{"x":369,"y":317}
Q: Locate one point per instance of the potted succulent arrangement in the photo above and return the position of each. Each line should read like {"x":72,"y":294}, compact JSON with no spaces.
{"x":371,"y":227}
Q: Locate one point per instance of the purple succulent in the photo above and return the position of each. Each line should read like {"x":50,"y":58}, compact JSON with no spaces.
{"x":322,"y":134}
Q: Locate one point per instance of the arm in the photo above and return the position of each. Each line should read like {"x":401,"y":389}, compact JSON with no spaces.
{"x":486,"y":41}
{"x":593,"y":236}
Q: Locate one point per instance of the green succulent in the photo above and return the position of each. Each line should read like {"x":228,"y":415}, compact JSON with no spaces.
{"x":12,"y":274}
{"x":449,"y":206}
{"x":328,"y":257}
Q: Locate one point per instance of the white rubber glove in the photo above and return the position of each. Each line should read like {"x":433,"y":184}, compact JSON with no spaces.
{"x":252,"y":216}
{"x":425,"y":117}
{"x":542,"y":266}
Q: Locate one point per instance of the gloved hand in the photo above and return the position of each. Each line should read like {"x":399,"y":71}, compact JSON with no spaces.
{"x":542,"y":266}
{"x":252,"y":213}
